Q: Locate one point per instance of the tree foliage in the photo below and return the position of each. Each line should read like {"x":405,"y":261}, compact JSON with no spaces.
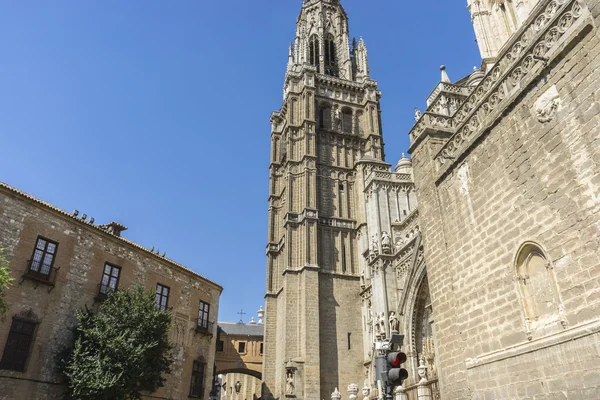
{"x":5,"y":281}
{"x":120,"y":350}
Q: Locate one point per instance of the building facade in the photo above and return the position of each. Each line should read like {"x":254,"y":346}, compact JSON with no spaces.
{"x":62,"y":263}
{"x":507,"y":169}
{"x":239,"y":359}
{"x":494,"y":278}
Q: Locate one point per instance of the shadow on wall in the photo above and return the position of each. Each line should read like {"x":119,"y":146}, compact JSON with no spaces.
{"x":328,"y":336}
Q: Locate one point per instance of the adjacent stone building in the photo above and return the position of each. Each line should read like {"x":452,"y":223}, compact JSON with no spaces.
{"x":507,"y":170}
{"x":239,"y":360}
{"x":65,"y":262}
{"x":494,"y":279}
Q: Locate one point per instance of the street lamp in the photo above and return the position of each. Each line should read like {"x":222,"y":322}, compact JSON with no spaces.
{"x":238,"y":387}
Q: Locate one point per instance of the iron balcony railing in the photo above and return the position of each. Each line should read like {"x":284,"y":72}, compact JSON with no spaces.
{"x":103,"y":291}
{"x":40,"y":273}
{"x":203,"y":326}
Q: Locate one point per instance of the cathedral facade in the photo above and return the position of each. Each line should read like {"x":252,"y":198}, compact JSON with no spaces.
{"x":493,"y":277}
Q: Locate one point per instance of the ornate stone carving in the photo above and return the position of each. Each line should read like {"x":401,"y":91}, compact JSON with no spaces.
{"x":352,"y":391}
{"x":394,"y":323}
{"x":512,"y":67}
{"x":548,"y":105}
{"x":386,"y":243}
{"x":366,"y":390}
{"x":422,"y":371}
{"x":336,"y":395}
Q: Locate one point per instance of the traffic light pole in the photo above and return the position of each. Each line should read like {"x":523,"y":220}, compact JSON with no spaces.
{"x":388,"y":366}
{"x":381,"y":369}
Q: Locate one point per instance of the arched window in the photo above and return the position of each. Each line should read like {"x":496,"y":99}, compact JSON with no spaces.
{"x":347,"y":120}
{"x":324,"y":116}
{"x":538,"y":290}
{"x":314,"y":51}
{"x":331,"y":67}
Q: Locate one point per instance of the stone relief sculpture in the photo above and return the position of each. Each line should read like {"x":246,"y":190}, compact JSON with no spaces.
{"x":394,"y":323}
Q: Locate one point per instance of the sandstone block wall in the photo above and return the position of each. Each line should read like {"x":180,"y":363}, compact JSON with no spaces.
{"x":82,"y":253}
{"x":525,"y":180}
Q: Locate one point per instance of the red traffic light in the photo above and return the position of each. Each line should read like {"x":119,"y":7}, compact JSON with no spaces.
{"x":396,"y":358}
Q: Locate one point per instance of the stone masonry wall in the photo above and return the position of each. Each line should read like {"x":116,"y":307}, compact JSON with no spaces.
{"x":525,"y":180}
{"x":81,"y":254}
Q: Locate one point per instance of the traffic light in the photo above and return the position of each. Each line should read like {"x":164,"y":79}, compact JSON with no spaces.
{"x":395,"y":374}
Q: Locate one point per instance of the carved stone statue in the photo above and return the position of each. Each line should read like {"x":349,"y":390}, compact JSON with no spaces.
{"x":374,"y":247}
{"x":418,"y":114}
{"x":380,"y":325}
{"x":386,"y":242}
{"x":394,"y":323}
{"x":290,"y":387}
{"x":337,"y":118}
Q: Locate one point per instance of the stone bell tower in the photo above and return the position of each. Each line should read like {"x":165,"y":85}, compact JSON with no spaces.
{"x":323,"y":139}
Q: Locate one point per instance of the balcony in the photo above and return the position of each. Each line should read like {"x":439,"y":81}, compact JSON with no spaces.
{"x":204,"y":327}
{"x":103,"y":292}
{"x":40,"y":273}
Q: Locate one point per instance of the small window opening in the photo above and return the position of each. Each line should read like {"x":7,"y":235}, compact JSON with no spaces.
{"x":349,"y":341}
{"x":242,"y":347}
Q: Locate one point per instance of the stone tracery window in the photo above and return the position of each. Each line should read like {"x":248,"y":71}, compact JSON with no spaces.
{"x":538,"y":290}
{"x":314,"y":51}
{"x":331,"y":67}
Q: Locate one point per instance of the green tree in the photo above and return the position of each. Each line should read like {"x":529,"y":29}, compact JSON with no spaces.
{"x":120,"y":350}
{"x":5,"y":281}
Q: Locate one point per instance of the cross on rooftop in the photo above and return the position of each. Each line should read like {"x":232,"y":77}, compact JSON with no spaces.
{"x":242,"y":313}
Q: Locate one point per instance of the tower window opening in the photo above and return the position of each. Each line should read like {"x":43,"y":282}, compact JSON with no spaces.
{"x":331,"y":67}
{"x":314,"y":52}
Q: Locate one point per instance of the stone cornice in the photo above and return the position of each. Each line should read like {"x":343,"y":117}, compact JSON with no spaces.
{"x":388,"y":177}
{"x":430,"y":123}
{"x":539,"y":41}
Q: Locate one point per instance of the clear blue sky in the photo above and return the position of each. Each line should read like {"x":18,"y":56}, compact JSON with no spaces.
{"x":156,"y":113}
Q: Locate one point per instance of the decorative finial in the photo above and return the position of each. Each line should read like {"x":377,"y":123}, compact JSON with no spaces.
{"x":261,"y":315}
{"x":418,"y":114}
{"x":445,"y":77}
